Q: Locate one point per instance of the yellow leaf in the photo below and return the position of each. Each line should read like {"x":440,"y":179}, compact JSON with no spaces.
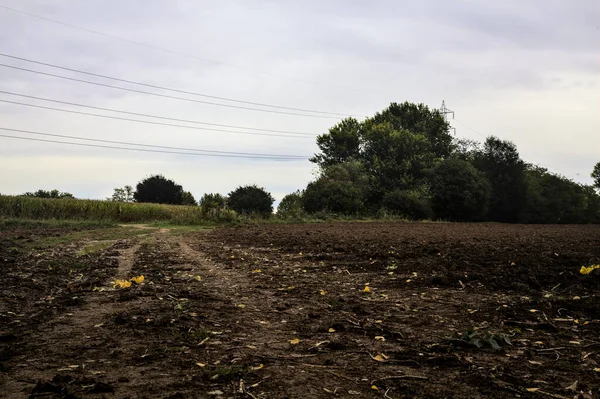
{"x":197,"y":278}
{"x":232,"y":256}
{"x":323,"y":292}
{"x":122,"y":284}
{"x":588,"y":270}
{"x":201,"y":364}
{"x":257,"y":271}
{"x":295,"y":341}
{"x":260,"y":366}
{"x":408,"y":281}
{"x":300,"y":253}
{"x":241,"y":306}
{"x":367,"y":289}
{"x":380,"y":338}
{"x":576,"y":298}
{"x":138,"y":279}
{"x":374,"y":387}
{"x":380,"y":358}
{"x":532,"y":389}
{"x":331,"y":330}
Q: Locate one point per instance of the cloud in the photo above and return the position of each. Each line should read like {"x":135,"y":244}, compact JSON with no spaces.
{"x":524,"y":71}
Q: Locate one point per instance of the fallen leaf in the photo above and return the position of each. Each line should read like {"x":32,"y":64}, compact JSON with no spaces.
{"x":367,"y":289}
{"x":535,"y":362}
{"x":122,"y":284}
{"x":353,"y":393}
{"x":380,"y":358}
{"x":138,"y":279}
{"x":331,"y":330}
{"x":575,"y":342}
{"x":323,"y":292}
{"x":533,"y":310}
{"x":576,"y":298}
{"x":250,"y":346}
{"x":257,"y":271}
{"x":408,"y":281}
{"x":241,"y":305}
{"x":260,"y":366}
{"x":295,"y":341}
{"x":597,"y":369}
{"x":380,"y":338}
{"x":197,"y":278}
{"x":532,"y":389}
{"x":374,"y":387}
{"x":201,"y":364}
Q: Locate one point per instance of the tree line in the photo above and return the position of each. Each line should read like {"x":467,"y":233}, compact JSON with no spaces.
{"x":403,"y":162}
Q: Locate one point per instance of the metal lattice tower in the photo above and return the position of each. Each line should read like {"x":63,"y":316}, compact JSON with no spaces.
{"x":445,"y":112}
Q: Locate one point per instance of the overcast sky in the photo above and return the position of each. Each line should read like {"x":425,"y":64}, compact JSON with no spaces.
{"x":526,"y":71}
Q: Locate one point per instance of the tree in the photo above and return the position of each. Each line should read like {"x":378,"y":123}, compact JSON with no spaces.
{"x":408,"y":203}
{"x":188,"y":199}
{"x":341,"y":144}
{"x":251,"y":200}
{"x":459,"y":192}
{"x":499,"y":160}
{"x":124,"y":194}
{"x":49,"y":194}
{"x":210,"y":202}
{"x":158,"y":189}
{"x":291,"y":205}
{"x":596,"y":175}
{"x":340,"y":189}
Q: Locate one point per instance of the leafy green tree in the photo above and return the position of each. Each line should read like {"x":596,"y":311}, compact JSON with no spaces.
{"x":340,"y":145}
{"x":188,"y":199}
{"x":251,"y":200}
{"x":459,"y":191}
{"x":124,"y":194}
{"x":291,"y":205}
{"x":340,"y":189}
{"x":160,"y":190}
{"x":596,"y":175}
{"x":555,"y":199}
{"x":499,"y":160}
{"x":213,"y":201}
{"x":49,"y":194}
{"x":408,"y":203}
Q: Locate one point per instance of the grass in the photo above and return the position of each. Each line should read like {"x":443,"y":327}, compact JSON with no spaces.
{"x":30,"y":224}
{"x":95,"y":247}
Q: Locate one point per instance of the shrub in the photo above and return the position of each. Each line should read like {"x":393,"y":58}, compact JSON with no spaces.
{"x":408,"y":203}
{"x":291,"y":206}
{"x":328,"y":195}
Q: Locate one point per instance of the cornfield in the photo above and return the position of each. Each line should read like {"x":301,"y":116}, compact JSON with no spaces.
{"x":75,"y":209}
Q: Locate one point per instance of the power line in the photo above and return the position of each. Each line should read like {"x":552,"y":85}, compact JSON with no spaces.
{"x":161,"y":117}
{"x":150,"y":122}
{"x":196,"y":152}
{"x":164,"y":95}
{"x":154,"y":47}
{"x":171,"y":89}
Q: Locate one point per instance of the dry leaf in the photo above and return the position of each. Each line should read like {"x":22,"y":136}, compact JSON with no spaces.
{"x":323,"y":292}
{"x":122,"y":284}
{"x":535,"y":362}
{"x":367,"y":289}
{"x":250,"y":346}
{"x":380,"y":338}
{"x":138,"y":279}
{"x":295,"y":341}
{"x":374,"y":387}
{"x":201,"y":364}
{"x":331,"y":330}
{"x":260,"y":366}
{"x":532,"y":389}
{"x":532,"y":310}
{"x":380,"y":358}
{"x":597,"y":369}
{"x":257,"y":271}
{"x":576,"y":298}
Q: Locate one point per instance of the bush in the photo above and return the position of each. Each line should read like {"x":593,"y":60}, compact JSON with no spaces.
{"x":291,"y":206}
{"x":409,"y":204}
{"x":459,"y":191}
{"x":251,"y":200}
{"x":332,"y":196}
{"x":209,"y":202}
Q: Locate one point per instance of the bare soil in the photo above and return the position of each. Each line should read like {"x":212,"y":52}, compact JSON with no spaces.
{"x":382,"y":310}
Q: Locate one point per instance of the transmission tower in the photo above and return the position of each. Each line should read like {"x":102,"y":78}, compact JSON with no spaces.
{"x":445,"y":112}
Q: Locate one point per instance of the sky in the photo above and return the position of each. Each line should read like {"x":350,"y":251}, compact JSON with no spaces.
{"x":525,"y":71}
